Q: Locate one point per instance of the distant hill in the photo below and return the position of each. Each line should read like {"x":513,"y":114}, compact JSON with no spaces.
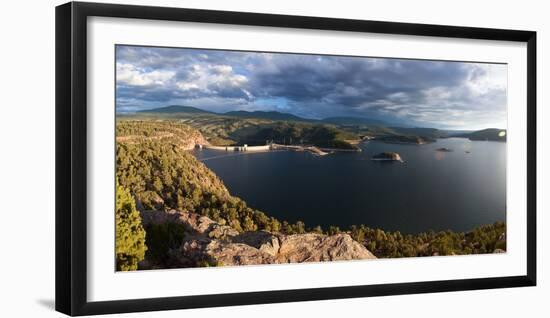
{"x":364,"y":125}
{"x":423,"y":132}
{"x":491,"y":134}
{"x":406,"y":139}
{"x":271,"y":115}
{"x":354,"y":121}
{"x":176,"y":109}
{"x":455,"y":133}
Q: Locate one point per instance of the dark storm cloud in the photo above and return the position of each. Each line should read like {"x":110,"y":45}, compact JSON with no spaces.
{"x":352,"y":81}
{"x":443,"y":94}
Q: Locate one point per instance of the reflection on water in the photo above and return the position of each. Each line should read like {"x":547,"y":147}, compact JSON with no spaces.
{"x":438,"y":190}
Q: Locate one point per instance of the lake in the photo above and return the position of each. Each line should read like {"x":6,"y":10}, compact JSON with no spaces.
{"x":436,"y":190}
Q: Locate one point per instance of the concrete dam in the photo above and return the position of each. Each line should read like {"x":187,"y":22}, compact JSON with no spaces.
{"x":273,"y":146}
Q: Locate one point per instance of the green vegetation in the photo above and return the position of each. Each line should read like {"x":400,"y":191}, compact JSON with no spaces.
{"x":297,"y":133}
{"x":406,"y":139}
{"x":161,"y":238}
{"x":154,"y":167}
{"x":252,"y":128}
{"x":130,"y":235}
{"x":238,"y":127}
{"x":225,"y":130}
{"x":168,"y":132}
{"x":426,"y":133}
{"x":396,"y":134}
{"x":163,"y":176}
{"x":220,"y":130}
{"x":490,"y":134}
{"x":385,"y":244}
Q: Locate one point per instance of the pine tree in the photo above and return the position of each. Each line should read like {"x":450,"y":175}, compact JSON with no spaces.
{"x":130,"y":235}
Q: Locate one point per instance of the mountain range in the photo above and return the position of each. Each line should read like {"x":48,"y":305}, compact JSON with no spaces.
{"x":270,"y":115}
{"x":177,"y":109}
{"x":492,"y":134}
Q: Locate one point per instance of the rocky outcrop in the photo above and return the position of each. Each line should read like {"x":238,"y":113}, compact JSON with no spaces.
{"x":191,"y":142}
{"x":208,"y":242}
{"x":318,"y":248}
{"x":387,"y":156}
{"x":196,"y":224}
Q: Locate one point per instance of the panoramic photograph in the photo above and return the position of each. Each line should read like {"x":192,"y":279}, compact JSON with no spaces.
{"x":228,"y":158}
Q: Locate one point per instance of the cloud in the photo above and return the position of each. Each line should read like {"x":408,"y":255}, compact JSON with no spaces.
{"x":212,"y":80}
{"x":130,"y":75}
{"x":423,"y":93}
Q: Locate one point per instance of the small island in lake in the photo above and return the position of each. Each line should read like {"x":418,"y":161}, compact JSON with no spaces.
{"x":387,"y":156}
{"x":444,"y":149}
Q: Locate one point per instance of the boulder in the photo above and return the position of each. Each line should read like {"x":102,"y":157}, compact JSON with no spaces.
{"x":222,"y":231}
{"x":312,"y":247}
{"x":230,"y":254}
{"x":261,"y":240}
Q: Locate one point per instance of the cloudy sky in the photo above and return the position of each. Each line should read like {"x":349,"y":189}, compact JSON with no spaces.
{"x":419,"y":93}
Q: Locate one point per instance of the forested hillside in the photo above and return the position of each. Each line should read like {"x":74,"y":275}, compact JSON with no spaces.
{"x":238,"y":128}
{"x":166,"y":132}
{"x":297,"y":133}
{"x":162,"y":175}
{"x":490,"y":134}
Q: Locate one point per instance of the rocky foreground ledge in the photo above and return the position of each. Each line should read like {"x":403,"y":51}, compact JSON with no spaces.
{"x":210,"y":242}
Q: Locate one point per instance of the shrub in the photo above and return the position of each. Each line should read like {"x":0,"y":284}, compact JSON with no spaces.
{"x":130,"y":235}
{"x":161,"y":238}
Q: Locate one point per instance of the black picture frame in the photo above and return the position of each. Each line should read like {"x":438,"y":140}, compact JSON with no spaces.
{"x":71,"y":157}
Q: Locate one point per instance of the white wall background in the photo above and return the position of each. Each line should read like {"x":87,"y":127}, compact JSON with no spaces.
{"x":27,"y":158}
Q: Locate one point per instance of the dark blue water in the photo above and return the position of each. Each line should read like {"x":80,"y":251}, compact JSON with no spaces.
{"x":430,"y":190}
